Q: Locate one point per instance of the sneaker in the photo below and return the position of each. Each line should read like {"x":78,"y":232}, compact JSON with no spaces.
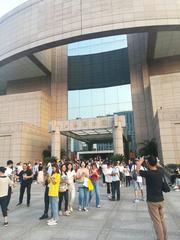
{"x":44,"y":216}
{"x":136,"y":201}
{"x":79,"y":209}
{"x":18,"y":204}
{"x":177,"y":190}
{"x":5,"y":224}
{"x":50,"y":220}
{"x":52,"y":223}
{"x":85,"y":209}
{"x":66,"y":213}
{"x":71,"y":209}
{"x":142,"y":199}
{"x":98,"y":206}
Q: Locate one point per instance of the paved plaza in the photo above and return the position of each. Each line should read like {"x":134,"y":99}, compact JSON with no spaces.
{"x":114,"y":220}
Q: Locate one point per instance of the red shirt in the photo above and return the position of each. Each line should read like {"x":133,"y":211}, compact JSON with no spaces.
{"x":94,"y":176}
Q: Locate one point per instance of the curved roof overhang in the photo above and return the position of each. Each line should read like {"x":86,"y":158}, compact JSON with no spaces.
{"x":38,"y":25}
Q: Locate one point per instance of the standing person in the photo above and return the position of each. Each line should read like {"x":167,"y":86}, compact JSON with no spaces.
{"x":121,"y":171}
{"x":71,"y":174}
{"x":25,"y":178}
{"x":127,"y":176}
{"x":94,"y":176}
{"x":5,"y":182}
{"x":82,"y":174}
{"x":35,"y":171}
{"x":46,"y":196}
{"x":54,"y":183}
{"x":40,"y":176}
{"x":104,"y":167}
{"x":9,"y":173}
{"x":155,"y":200}
{"x":108,"y":179}
{"x":115,"y":182}
{"x":137,"y":182}
{"x":63,"y":190}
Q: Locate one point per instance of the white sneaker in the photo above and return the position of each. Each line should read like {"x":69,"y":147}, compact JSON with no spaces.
{"x":79,"y":209}
{"x":98,"y":206}
{"x":66,"y":213}
{"x":85,"y":209}
{"x":52,"y":223}
{"x":71,"y":209}
{"x":50,"y":220}
{"x":136,"y":200}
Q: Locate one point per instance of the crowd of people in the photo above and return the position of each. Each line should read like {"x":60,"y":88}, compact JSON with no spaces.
{"x":62,"y":179}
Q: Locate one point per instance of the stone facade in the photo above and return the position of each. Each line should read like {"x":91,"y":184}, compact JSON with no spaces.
{"x":24,"y":126}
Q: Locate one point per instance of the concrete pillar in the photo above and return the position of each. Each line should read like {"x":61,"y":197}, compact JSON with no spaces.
{"x":140,"y":86}
{"x":59,"y":87}
{"x":56,"y":144}
{"x":118,"y":136}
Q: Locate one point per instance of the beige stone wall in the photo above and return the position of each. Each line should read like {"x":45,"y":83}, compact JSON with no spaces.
{"x":34,"y":141}
{"x":165,"y":91}
{"x":29,"y":85}
{"x":167,"y":126}
{"x":140,"y":86}
{"x":33,"y":107}
{"x":22,"y":142}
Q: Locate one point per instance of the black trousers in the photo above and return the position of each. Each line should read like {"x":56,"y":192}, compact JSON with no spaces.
{"x":128,"y":180}
{"x":109,"y":187}
{"x":3,"y":204}
{"x":65,"y":196}
{"x":22,"y":190}
{"x":46,"y":200}
{"x":9,"y":195}
{"x":116,"y":189}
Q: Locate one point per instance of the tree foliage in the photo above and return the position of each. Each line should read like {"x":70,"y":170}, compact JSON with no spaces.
{"x":149,"y":148}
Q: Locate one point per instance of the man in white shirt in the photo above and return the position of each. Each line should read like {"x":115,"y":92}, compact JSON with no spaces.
{"x":115,"y":182}
{"x":9,"y":173}
{"x":137,"y":182}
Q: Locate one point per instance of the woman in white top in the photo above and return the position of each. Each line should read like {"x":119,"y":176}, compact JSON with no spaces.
{"x":5,"y":182}
{"x":71,"y":174}
{"x":108,"y":179}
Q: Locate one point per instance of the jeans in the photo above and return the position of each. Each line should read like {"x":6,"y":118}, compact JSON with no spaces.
{"x":116,"y":188}
{"x":22,"y":190}
{"x":65,"y":196}
{"x":46,"y":200}
{"x":83,"y":197}
{"x":9,"y":195}
{"x":3,"y":204}
{"x":109,"y":187}
{"x":97,"y":193}
{"x":54,"y":207}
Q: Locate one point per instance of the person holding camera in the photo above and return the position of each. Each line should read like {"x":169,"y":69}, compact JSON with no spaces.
{"x":155,"y":201}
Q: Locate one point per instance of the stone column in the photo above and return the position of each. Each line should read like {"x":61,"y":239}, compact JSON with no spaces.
{"x":59,"y":87}
{"x":56,"y":144}
{"x":140,"y":86}
{"x":118,"y":136}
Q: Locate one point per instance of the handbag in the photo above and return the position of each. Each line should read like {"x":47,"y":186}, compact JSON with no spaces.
{"x":165,"y":186}
{"x":90,"y":185}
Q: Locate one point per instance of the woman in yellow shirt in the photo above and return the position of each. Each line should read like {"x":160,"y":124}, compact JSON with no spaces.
{"x":54,"y":182}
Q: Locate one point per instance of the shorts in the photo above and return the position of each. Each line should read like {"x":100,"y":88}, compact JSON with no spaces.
{"x":137,"y":185}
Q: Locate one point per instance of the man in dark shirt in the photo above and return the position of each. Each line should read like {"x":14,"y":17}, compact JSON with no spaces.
{"x":25,"y":178}
{"x":155,"y":199}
